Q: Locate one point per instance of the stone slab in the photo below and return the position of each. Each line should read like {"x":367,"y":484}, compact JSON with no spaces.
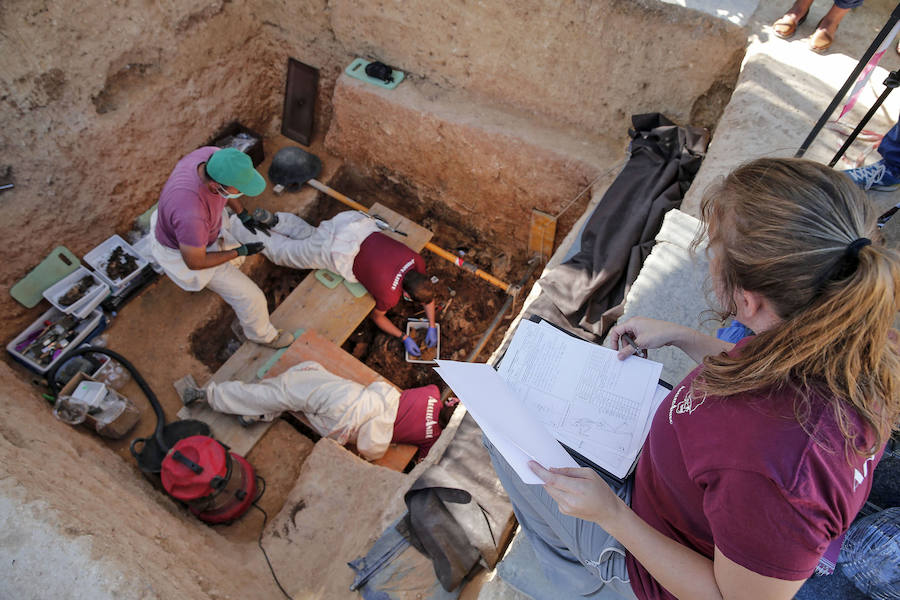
{"x":336,"y":508}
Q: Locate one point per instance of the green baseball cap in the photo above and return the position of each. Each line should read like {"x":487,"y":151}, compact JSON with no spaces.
{"x":231,"y":167}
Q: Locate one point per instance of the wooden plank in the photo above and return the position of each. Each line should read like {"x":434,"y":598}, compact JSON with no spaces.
{"x":542,"y":233}
{"x":333,"y":314}
{"x":314,"y":346}
{"x":416,"y":236}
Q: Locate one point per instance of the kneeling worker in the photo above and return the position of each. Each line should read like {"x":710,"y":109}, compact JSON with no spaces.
{"x":371,"y":417}
{"x":192,"y":242}
{"x":351,"y":245}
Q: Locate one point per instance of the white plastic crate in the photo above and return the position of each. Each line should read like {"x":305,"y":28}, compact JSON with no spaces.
{"x":416,"y":324}
{"x":87,"y":303}
{"x":84,"y":328}
{"x":98,"y":259}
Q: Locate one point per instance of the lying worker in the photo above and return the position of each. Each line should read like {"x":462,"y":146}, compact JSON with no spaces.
{"x":371,"y":417}
{"x":192,"y":239}
{"x":351,"y":245}
{"x":759,"y":460}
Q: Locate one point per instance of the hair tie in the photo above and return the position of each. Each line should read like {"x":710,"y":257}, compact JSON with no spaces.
{"x":855,"y":246}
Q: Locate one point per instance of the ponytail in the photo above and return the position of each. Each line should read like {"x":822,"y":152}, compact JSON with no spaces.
{"x":805,"y":238}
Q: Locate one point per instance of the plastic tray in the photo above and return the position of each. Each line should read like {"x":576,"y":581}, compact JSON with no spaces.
{"x":98,"y":258}
{"x":84,"y":329}
{"x":416,"y":324}
{"x":83,"y":307}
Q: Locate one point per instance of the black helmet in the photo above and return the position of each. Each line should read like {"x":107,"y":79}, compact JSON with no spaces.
{"x":293,"y":166}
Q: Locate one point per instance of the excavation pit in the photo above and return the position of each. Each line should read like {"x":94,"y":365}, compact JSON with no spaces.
{"x":465,"y":303}
{"x":503,"y":111}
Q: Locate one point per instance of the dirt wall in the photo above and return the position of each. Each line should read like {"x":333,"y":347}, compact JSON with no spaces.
{"x":589,"y":63}
{"x":79,"y":522}
{"x":490,"y":167}
{"x":100,"y":100}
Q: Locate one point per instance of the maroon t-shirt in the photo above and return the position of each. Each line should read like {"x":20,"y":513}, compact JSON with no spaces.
{"x":188,"y":213}
{"x":380,"y":266}
{"x":740,"y":474}
{"x":417,"y":418}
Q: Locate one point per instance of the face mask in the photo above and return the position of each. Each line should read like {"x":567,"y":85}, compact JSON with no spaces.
{"x":221,"y":191}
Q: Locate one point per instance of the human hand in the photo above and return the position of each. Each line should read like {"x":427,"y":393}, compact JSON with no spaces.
{"x":431,"y":338}
{"x":646,"y":333}
{"x":251,"y":248}
{"x":580,"y":493}
{"x":251,"y":224}
{"x":411,"y":346}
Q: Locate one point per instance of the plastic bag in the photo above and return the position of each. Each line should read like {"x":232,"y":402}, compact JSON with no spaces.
{"x":870,"y":555}
{"x":70,"y":410}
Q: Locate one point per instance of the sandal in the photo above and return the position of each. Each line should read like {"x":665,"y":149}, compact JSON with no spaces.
{"x":787,"y":25}
{"x":821,"y":40}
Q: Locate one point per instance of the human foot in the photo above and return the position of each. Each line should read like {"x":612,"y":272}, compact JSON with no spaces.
{"x":787,"y":25}
{"x":826,"y":29}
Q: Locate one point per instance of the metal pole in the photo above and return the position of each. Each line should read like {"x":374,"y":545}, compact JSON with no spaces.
{"x":890,"y":83}
{"x":863,"y":61}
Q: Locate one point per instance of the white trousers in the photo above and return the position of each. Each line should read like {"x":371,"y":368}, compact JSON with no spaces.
{"x":294,"y":243}
{"x":338,"y":408}
{"x":227,"y":280}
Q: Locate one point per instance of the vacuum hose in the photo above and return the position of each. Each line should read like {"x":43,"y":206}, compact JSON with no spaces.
{"x":55,"y":387}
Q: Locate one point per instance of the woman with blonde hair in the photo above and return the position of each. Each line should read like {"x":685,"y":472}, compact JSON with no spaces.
{"x":763,"y":455}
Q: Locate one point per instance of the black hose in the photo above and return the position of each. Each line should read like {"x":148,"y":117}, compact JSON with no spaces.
{"x":55,"y":387}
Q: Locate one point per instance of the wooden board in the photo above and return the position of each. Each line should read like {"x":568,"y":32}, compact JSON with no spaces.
{"x":416,"y":236}
{"x":542,"y":233}
{"x":332,"y":313}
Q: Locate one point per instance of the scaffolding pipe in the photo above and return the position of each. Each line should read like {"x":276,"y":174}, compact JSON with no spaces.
{"x":456,"y":260}
{"x":532,"y":265}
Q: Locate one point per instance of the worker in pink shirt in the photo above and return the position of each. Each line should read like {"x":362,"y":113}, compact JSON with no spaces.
{"x":192,"y":238}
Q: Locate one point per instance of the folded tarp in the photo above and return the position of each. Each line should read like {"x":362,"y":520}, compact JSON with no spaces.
{"x":585,"y":294}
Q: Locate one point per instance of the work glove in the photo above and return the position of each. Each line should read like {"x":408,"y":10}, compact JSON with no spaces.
{"x":412,"y":348}
{"x":251,"y":248}
{"x":252,"y":224}
{"x":431,"y":337}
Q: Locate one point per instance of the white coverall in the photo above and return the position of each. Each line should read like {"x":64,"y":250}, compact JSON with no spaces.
{"x":338,"y":408}
{"x":294,"y":243}
{"x":227,"y":280}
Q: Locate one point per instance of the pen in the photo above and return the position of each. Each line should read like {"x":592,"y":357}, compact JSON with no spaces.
{"x":637,"y":351}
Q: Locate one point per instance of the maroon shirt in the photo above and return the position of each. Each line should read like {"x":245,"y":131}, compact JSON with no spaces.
{"x":740,"y":474}
{"x":417,"y":418}
{"x":188,"y":213}
{"x":380,"y":266}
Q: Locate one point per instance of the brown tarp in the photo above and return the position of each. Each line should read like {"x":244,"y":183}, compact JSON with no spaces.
{"x":585,"y":295}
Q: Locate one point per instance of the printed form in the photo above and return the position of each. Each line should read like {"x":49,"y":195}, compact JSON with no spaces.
{"x":584,"y":395}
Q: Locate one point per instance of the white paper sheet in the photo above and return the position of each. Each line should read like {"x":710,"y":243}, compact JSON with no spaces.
{"x":588,"y":399}
{"x":514,"y":430}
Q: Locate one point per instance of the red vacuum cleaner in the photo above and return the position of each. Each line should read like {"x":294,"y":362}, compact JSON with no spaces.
{"x":217,"y":485}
